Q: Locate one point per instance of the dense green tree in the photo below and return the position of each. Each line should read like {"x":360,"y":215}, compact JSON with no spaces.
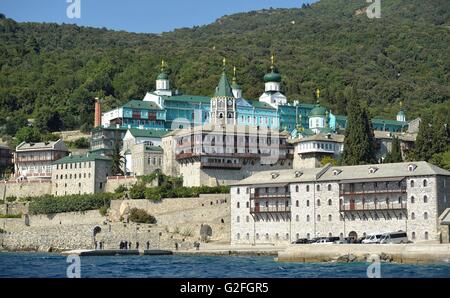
{"x":359,"y":138}
{"x":324,"y":45}
{"x":29,"y":135}
{"x":432,"y":139}
{"x":395,"y":155}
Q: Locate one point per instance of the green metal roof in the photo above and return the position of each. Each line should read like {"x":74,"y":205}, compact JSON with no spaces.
{"x":153,"y":148}
{"x":224,"y":88}
{"x":272,"y":76}
{"x":259,"y":104}
{"x":188,"y":98}
{"x":140,"y":104}
{"x":81,"y":158}
{"x":147,"y":133}
{"x":163,"y":76}
{"x":318,"y":111}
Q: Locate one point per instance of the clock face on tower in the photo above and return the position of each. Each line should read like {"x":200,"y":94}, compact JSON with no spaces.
{"x":230,"y":103}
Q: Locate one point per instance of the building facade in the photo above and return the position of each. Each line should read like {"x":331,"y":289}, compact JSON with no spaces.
{"x":34,"y":160}
{"x":281,"y":206}
{"x":165,"y":109}
{"x":215,"y":155}
{"x":80,"y":174}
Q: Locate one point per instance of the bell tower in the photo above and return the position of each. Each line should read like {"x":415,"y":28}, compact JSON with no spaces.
{"x":223,"y":104}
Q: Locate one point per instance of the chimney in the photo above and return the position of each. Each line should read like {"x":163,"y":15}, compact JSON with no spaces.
{"x":97,"y":113}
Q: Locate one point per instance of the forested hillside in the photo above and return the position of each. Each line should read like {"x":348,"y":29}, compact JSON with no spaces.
{"x":52,"y":73}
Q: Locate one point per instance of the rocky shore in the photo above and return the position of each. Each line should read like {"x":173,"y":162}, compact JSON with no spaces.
{"x":398,"y":253}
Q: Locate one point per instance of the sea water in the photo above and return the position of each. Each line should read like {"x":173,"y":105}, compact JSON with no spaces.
{"x":55,"y":266}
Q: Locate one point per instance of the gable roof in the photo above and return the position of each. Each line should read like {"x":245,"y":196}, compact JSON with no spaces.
{"x":283,"y":177}
{"x":147,"y":133}
{"x":40,"y":146}
{"x":81,"y":158}
{"x":188,"y":98}
{"x":140,"y":104}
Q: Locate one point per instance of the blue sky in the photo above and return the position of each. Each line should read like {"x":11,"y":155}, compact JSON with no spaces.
{"x":152,"y":16}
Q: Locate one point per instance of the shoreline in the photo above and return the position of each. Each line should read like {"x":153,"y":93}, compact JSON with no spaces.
{"x":339,"y":253}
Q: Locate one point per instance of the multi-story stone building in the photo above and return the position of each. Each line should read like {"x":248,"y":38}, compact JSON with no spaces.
{"x":310,"y":150}
{"x":34,"y":160}
{"x":105,"y":139}
{"x":80,"y":174}
{"x":350,"y":201}
{"x":214,"y":155}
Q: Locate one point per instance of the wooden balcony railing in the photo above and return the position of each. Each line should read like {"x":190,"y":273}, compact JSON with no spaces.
{"x":344,"y":192}
{"x":279,"y":209}
{"x":270,"y":196}
{"x":372,"y":207}
{"x":221,"y":165}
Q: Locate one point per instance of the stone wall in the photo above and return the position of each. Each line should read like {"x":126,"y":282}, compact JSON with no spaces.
{"x":113,"y":183}
{"x":179,"y":221}
{"x":184,"y":215}
{"x":24,"y":189}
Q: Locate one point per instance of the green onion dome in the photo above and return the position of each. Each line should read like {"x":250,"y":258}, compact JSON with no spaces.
{"x":272,"y":76}
{"x":318,"y":111}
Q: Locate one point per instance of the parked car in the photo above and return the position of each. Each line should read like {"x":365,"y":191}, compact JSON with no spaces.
{"x":327,"y":240}
{"x":301,"y":241}
{"x":399,"y":237}
{"x":373,"y":238}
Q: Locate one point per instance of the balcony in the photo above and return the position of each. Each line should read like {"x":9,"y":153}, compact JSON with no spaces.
{"x":231,"y":155}
{"x":270,"y":196}
{"x":280,"y":209}
{"x":219,"y":165}
{"x":383,"y":190}
{"x":373,"y":207}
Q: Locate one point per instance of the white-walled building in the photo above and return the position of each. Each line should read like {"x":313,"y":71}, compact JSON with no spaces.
{"x":34,"y":160}
{"x":281,"y":206}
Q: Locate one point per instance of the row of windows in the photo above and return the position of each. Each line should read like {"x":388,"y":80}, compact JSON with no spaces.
{"x":79,"y":185}
{"x":78,"y":165}
{"x":308,"y":236}
{"x":152,"y":161}
{"x":341,"y":217}
{"x":70,"y":176}
{"x":424,"y":183}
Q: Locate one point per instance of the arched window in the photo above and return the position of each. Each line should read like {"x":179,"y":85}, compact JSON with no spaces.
{"x":412,"y":183}
{"x":296,"y":203}
{"x":330,"y":218}
{"x":238,"y":205}
{"x":425,"y":199}
{"x":307,"y":188}
{"x":425,"y":215}
{"x":247,"y":218}
{"x":318,"y":187}
{"x":330,"y":202}
{"x":307,"y":218}
{"x":307,"y":203}
{"x":267,"y":236}
{"x":400,"y":216}
{"x":318,"y":202}
{"x":426,"y":235}
{"x":296,"y":218}
{"x":425,"y":183}
{"x":413,"y":215}
{"x":329,"y":187}
{"x":413,"y":235}
{"x":287,"y":236}
{"x":238,"y":219}
{"x":318,"y":217}
{"x":257,"y":236}
{"x":238,"y":191}
{"x":277,"y":236}
{"x":412,"y":200}
{"x":296,"y":188}
{"x":247,"y":236}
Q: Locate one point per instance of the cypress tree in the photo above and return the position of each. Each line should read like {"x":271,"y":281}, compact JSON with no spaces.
{"x":396,"y":154}
{"x":359,"y":136}
{"x":431,"y":139}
